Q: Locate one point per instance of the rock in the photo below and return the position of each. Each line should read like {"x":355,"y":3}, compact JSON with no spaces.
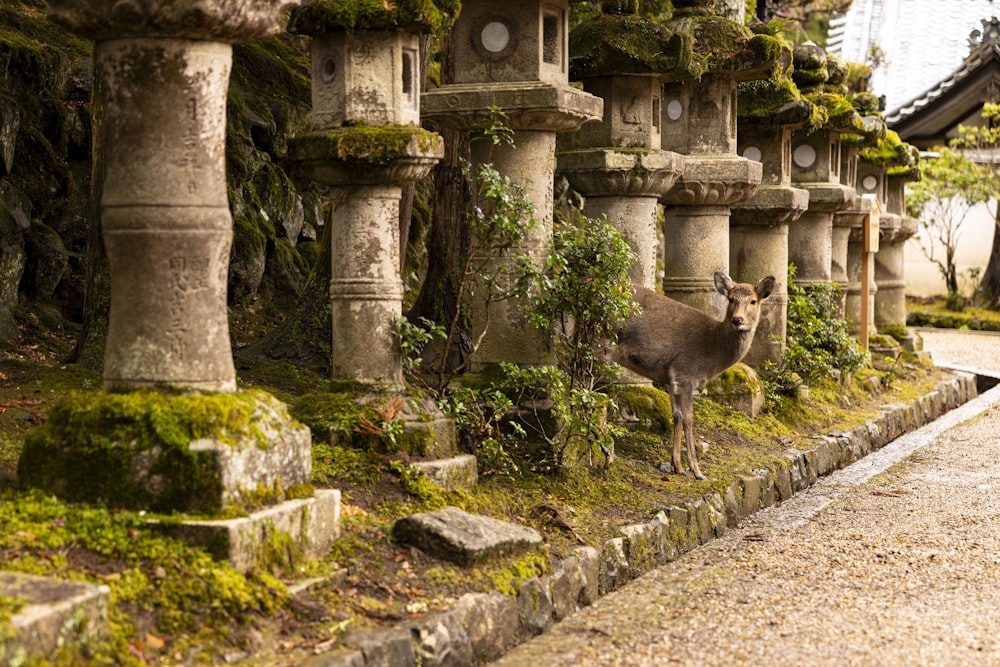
{"x":47,"y":261}
{"x":10,"y":123}
{"x":462,"y":538}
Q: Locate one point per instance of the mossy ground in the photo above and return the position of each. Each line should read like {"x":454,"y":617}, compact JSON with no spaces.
{"x":934,"y":312}
{"x":172,"y":605}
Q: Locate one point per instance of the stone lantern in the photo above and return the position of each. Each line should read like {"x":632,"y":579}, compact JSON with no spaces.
{"x":845,"y":267}
{"x":890,"y":276}
{"x":617,"y":165}
{"x":366,"y":144}
{"x":514,"y":56}
{"x":816,"y":165}
{"x":159,"y":105}
{"x":699,"y":121}
{"x":758,"y":227}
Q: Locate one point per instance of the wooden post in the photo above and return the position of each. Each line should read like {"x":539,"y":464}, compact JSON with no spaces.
{"x":868,"y":250}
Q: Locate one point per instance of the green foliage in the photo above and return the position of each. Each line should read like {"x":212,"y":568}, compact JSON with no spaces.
{"x":818,"y":344}
{"x":576,"y":424}
{"x":159,"y":584}
{"x":495,"y":268}
{"x":952,"y":185}
{"x":479,"y":415}
{"x":585,"y":294}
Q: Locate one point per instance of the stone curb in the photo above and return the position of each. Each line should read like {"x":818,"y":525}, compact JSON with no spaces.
{"x":483,"y":626}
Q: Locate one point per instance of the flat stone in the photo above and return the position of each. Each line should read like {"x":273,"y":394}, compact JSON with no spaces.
{"x":452,"y":473}
{"x":56,"y":613}
{"x":310,"y":525}
{"x":462,"y":538}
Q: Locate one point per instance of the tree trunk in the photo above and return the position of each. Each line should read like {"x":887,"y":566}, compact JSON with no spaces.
{"x":448,"y":243}
{"x":990,"y":285}
{"x":304,"y":338}
{"x":89,"y":349}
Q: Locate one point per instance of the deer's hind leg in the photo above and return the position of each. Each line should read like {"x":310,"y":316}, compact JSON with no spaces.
{"x":682,"y":403}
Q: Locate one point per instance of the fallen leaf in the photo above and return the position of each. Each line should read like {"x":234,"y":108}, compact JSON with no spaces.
{"x":154,"y":642}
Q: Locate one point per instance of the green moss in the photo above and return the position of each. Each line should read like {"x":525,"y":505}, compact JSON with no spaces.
{"x":722,"y":45}
{"x":157,"y":584}
{"x":508,"y":578}
{"x":648,"y":405}
{"x":776,"y":101}
{"x":891,"y":151}
{"x":611,"y":44}
{"x":133,"y":449}
{"x":365,"y":145}
{"x":840,"y":113}
{"x":332,"y":15}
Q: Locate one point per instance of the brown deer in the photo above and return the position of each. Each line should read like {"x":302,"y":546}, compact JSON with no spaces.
{"x":682,"y":348}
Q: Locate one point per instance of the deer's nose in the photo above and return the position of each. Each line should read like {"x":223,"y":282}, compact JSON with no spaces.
{"x":738,"y":321}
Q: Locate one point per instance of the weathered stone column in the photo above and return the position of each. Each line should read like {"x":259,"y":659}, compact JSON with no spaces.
{"x":890,"y":273}
{"x":816,"y":163}
{"x":514,"y":56}
{"x":758,"y":227}
{"x":847,"y":224}
{"x":699,"y":121}
{"x":160,"y":118}
{"x":365,"y":146}
{"x":617,"y":165}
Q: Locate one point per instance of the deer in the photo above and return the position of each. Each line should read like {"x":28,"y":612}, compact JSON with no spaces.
{"x":681,"y":348}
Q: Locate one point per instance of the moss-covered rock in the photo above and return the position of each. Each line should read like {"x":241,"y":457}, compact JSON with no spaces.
{"x":167,"y":452}
{"x":412,"y":15}
{"x":628,"y":44}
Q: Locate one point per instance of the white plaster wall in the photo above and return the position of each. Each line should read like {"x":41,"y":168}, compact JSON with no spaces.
{"x":923,"y":278}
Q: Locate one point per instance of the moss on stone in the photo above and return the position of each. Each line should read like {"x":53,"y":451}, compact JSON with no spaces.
{"x":649,"y":405}
{"x":133,"y":449}
{"x":722,"y":45}
{"x":612,"y":44}
{"x":364,"y":144}
{"x":333,"y":15}
{"x":891,"y":151}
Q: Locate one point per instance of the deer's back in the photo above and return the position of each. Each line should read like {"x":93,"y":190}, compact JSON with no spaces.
{"x":670,"y":339}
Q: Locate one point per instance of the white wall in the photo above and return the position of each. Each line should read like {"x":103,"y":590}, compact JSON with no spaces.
{"x":923,"y":278}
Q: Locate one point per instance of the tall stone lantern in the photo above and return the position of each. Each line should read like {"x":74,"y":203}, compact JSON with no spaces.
{"x":769,"y":111}
{"x":514,"y":56}
{"x":890,"y":276}
{"x":845,"y":267}
{"x":365,"y":145}
{"x":699,"y":121}
{"x":816,"y":164}
{"x":618,"y":165}
{"x":159,"y":102}
{"x":160,"y":116}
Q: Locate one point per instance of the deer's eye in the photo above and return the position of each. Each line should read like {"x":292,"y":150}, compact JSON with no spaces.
{"x":753,"y":302}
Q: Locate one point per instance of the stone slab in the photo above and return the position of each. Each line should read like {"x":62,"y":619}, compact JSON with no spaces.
{"x":56,"y":613}
{"x":305,"y":527}
{"x":462,"y":538}
{"x":452,"y":473}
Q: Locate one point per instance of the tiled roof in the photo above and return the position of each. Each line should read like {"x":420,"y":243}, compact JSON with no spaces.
{"x":924,"y":41}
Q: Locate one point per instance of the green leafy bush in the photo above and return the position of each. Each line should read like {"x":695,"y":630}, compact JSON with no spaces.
{"x":818,"y":343}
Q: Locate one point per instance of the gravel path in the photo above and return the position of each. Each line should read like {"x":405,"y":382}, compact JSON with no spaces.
{"x":876,"y":565}
{"x":974,"y":349}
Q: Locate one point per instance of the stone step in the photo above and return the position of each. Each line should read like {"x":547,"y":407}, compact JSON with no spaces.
{"x":277,"y":535}
{"x":55,"y":614}
{"x":456,"y":472}
{"x":462,"y":538}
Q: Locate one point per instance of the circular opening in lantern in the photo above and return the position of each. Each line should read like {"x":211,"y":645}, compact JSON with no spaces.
{"x":869,"y":182}
{"x":752,"y":153}
{"x":495,"y":36}
{"x":328,"y":70}
{"x":804,"y":156}
{"x":674,"y":109}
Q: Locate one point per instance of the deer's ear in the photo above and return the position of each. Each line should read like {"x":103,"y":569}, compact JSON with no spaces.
{"x":723,"y":283}
{"x":764,"y":287}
